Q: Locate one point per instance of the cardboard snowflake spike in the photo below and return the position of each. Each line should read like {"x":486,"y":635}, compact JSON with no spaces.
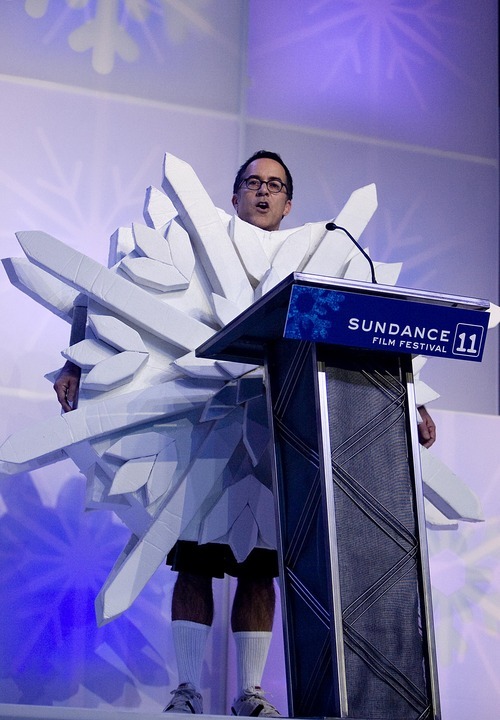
{"x":132,"y":475}
{"x":494,"y":315}
{"x":162,"y":474}
{"x":208,"y":234}
{"x":138,"y":444}
{"x":249,"y":246}
{"x":211,"y":461}
{"x":256,"y":429}
{"x":131,"y":573}
{"x":264,"y":510}
{"x":114,"y":371}
{"x":446,"y":491}
{"x":44,"y":442}
{"x":330,"y":256}
{"x":236,"y":370}
{"x":357,"y":267}
{"x":83,"y":454}
{"x":151,"y":243}
{"x":224,"y":310}
{"x":387,"y":273}
{"x":121,"y":243}
{"x":317,"y":232}
{"x":243,"y":535}
{"x":243,"y":518}
{"x":293,"y":251}
{"x":197,"y":367}
{"x":49,"y":291}
{"x":158,"y":208}
{"x":270,"y":280}
{"x":435,"y":520}
{"x":113,"y":292}
{"x":194,"y":300}
{"x":88,"y":352}
{"x":142,"y":558}
{"x":180,"y":247}
{"x":423,"y":393}
{"x":220,"y":404}
{"x":116,"y":333}
{"x":358,"y":210}
{"x":32,"y":462}
{"x":156,"y":266}
{"x":153,"y":274}
{"x":288,"y":258}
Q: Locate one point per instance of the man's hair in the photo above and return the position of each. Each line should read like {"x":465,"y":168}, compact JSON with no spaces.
{"x":257,"y":156}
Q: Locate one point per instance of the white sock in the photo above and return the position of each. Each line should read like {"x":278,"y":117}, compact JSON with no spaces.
{"x":251,"y":655}
{"x":190,"y":640}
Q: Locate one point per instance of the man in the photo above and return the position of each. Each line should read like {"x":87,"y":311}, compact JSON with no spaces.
{"x":262,"y":196}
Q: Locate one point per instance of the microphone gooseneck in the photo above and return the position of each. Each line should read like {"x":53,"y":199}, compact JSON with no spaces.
{"x":333,"y":226}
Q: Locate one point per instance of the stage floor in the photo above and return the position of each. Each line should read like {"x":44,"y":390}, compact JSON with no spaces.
{"x":39,"y":712}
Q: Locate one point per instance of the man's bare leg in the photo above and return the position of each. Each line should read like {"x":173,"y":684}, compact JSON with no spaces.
{"x":254,"y":605}
{"x":192,"y":599}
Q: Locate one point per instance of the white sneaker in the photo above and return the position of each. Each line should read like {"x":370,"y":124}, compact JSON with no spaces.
{"x":254,"y":704}
{"x":186,"y":699}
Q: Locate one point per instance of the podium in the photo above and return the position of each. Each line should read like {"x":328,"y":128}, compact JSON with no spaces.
{"x":354,"y":573}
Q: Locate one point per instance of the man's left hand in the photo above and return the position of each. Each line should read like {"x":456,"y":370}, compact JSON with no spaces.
{"x":426,"y":428}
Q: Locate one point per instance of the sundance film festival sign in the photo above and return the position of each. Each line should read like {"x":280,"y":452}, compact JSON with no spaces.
{"x":383,"y":323}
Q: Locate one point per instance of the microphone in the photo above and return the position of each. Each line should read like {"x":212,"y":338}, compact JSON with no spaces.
{"x":333,"y":226}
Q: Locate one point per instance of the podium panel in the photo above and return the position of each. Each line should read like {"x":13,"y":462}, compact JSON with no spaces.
{"x":348,"y":534}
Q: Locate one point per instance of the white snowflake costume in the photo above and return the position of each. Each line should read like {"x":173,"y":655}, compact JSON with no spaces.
{"x":174,"y":444}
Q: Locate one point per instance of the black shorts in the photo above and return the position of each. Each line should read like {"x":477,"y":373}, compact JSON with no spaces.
{"x":216,"y":560}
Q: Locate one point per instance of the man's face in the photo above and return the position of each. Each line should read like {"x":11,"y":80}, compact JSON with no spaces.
{"x":260,"y":207}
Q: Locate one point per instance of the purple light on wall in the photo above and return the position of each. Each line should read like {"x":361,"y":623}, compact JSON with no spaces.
{"x":409,"y":72}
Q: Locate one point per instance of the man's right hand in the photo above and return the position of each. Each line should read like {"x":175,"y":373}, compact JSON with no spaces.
{"x":66,"y":386}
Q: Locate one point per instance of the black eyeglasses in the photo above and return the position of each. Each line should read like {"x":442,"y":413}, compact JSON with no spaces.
{"x":255,"y":183}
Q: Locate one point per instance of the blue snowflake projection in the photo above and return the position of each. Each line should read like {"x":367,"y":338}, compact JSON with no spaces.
{"x":311,"y":313}
{"x":378,"y":39}
{"x":405,"y":237}
{"x":73,"y":198}
{"x":108,"y":29}
{"x":53,"y":562}
{"x":465,"y":582}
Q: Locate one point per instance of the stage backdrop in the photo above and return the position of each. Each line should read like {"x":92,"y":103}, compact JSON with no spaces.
{"x":93,"y":92}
